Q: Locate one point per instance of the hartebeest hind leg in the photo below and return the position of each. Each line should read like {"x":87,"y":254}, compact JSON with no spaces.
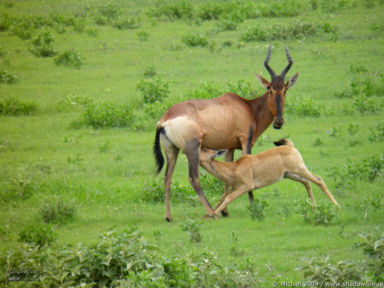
{"x":305,"y":182}
{"x":191,"y":150}
{"x":305,"y":173}
{"x":171,"y":152}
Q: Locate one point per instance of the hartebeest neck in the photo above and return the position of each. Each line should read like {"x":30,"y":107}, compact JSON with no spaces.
{"x":262,"y":113}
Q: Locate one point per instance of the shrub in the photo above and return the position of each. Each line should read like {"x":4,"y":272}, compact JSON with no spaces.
{"x":363,"y":105}
{"x":142,"y":35}
{"x":256,"y":209}
{"x":155,"y":110}
{"x":323,"y":214}
{"x":193,"y":228}
{"x":178,"y":10}
{"x":38,"y":234}
{"x":373,"y":247}
{"x":57,"y":210}
{"x":210,"y":184}
{"x":323,"y":273}
{"x":43,"y":45}
{"x":297,"y":30}
{"x":150,"y":72}
{"x":13,"y":106}
{"x":106,"y":14}
{"x":234,"y":249}
{"x":70,"y":58}
{"x":372,"y":86}
{"x":121,"y":259}
{"x":305,"y":107}
{"x":195,"y":40}
{"x":377,"y":134}
{"x":242,"y":88}
{"x":126,"y":23}
{"x":108,"y":115}
{"x":227,"y":25}
{"x":153,"y":192}
{"x":153,"y":90}
{"x":206,"y":91}
{"x":19,"y":187}
{"x":370,"y":201}
{"x":7,"y":78}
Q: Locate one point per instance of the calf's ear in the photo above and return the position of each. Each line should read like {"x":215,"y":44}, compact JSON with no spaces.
{"x":220,"y":153}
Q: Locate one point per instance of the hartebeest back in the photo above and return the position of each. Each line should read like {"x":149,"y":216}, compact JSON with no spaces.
{"x":226,"y":122}
{"x":252,"y":172}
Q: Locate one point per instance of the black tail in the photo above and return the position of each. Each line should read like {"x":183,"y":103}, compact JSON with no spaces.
{"x":157,"y":150}
{"x":283,"y":142}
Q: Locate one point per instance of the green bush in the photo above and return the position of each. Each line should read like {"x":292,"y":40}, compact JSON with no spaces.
{"x":13,"y":106}
{"x":156,"y":109}
{"x":178,"y":10}
{"x":107,"y":13}
{"x":43,"y":45}
{"x":126,"y":23}
{"x":193,"y":228}
{"x":323,"y":214}
{"x":377,"y":134}
{"x":227,"y":25}
{"x":19,"y":187}
{"x":69,"y":58}
{"x":207,"y":90}
{"x":99,"y":115}
{"x":256,"y":209}
{"x":153,"y":192}
{"x":7,"y":78}
{"x":57,"y":210}
{"x":323,"y":273}
{"x":142,"y":35}
{"x":373,"y":247}
{"x":150,"y":72}
{"x":195,"y":40}
{"x":242,"y":88}
{"x":153,"y":90}
{"x":297,"y":30}
{"x":210,"y":184}
{"x":38,"y":234}
{"x":305,"y":107}
{"x":122,"y":259}
{"x":363,"y":104}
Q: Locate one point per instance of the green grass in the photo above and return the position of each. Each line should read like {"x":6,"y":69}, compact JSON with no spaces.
{"x":103,"y":171}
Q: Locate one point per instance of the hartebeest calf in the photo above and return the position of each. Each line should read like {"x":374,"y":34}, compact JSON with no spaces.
{"x":226,"y":122}
{"x":252,"y":172}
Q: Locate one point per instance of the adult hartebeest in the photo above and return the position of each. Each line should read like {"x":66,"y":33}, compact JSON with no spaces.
{"x":252,"y":172}
{"x":226,"y":122}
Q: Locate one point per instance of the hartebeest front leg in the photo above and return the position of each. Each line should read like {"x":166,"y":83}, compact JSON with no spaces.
{"x":232,"y":196}
{"x":192,"y":149}
{"x":228,"y":158}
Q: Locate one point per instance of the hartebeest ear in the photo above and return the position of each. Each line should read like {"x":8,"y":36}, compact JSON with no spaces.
{"x":264,"y":82}
{"x":292,"y":81}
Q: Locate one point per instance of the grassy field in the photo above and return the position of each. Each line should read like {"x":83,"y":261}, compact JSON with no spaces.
{"x":82,"y":85}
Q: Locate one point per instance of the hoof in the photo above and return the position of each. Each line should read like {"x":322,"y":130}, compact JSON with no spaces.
{"x":212,"y":216}
{"x":224,"y":213}
{"x":168,"y":219}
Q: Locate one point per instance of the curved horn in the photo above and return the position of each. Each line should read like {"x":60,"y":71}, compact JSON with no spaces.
{"x":266,"y":61}
{"x":290,"y":62}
